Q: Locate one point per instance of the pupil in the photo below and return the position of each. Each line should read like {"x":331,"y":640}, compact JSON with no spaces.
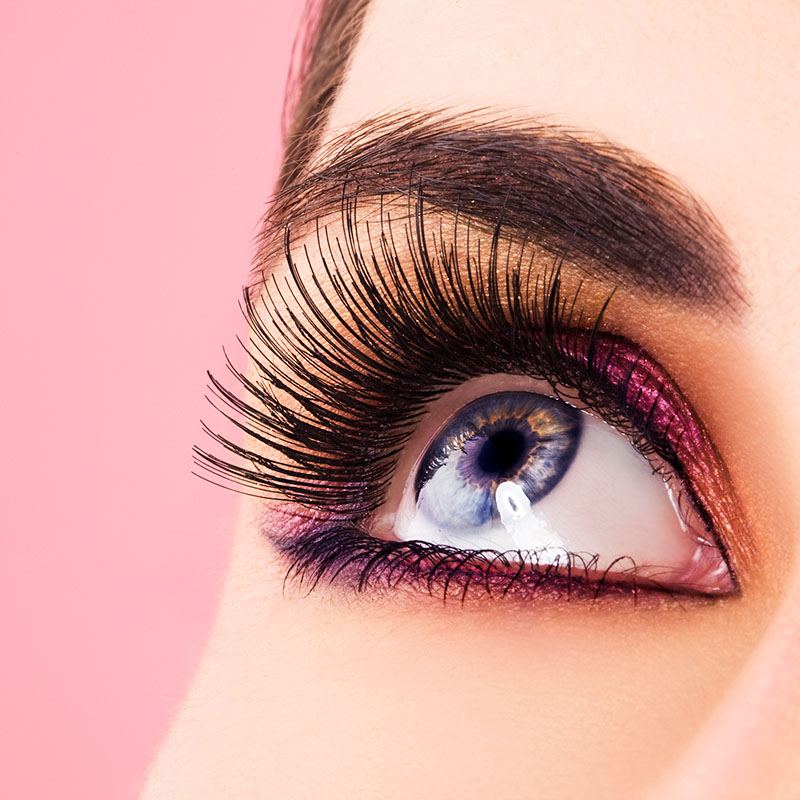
{"x":503,"y":453}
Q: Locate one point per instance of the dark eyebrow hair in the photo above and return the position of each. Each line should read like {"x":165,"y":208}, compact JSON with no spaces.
{"x":326,"y":37}
{"x":567,"y":191}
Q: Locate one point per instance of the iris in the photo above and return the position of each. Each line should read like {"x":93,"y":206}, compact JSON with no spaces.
{"x":527,"y":438}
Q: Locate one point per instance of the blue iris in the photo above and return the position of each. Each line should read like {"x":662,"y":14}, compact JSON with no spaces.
{"x":527,"y":438}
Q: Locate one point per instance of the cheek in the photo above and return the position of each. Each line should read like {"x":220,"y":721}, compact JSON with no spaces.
{"x":344,"y":696}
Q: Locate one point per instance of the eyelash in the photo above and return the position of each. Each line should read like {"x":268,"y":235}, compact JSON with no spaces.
{"x":338,"y":427}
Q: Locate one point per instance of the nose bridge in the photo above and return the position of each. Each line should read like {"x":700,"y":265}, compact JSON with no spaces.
{"x":751,"y":744}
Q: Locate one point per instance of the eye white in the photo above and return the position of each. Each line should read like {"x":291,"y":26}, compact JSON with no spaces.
{"x":610,"y":510}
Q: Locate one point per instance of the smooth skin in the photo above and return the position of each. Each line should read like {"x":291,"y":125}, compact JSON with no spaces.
{"x":337,"y":696}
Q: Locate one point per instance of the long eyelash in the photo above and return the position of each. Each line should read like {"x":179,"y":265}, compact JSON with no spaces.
{"x":338,"y":403}
{"x":347,"y":356}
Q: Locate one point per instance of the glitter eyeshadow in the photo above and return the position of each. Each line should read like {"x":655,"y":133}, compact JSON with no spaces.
{"x":645,"y":393}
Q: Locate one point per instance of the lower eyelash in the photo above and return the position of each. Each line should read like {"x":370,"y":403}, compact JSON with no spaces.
{"x":355,"y":560}
{"x":355,"y":389}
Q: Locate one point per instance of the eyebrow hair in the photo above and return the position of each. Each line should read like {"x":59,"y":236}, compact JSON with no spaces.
{"x":326,"y":37}
{"x":568,"y":191}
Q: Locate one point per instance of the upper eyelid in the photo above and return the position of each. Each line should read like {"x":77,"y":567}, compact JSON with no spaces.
{"x":625,"y":219}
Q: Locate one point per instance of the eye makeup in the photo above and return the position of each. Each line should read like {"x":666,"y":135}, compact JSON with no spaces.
{"x":350,"y":349}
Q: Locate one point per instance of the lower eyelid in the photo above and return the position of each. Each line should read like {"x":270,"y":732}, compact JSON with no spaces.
{"x":351,"y":560}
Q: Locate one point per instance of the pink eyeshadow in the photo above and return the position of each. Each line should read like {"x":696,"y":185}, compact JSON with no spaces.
{"x":656,"y":406}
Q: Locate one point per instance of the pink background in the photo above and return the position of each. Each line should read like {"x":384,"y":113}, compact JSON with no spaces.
{"x":141,"y":140}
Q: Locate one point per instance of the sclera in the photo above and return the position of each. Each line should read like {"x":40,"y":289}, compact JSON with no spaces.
{"x":614,"y":514}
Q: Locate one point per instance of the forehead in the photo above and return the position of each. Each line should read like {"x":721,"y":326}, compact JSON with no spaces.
{"x":707,"y":91}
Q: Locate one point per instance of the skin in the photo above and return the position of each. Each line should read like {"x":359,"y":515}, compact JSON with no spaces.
{"x":335,"y":695}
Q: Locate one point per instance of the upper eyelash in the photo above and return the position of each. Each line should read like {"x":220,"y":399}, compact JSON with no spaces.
{"x":406,"y":347}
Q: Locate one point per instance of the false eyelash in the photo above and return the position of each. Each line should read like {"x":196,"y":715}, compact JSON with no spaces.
{"x":333,"y":406}
{"x":348,"y":353}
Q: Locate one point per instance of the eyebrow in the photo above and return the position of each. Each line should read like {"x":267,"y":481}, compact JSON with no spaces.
{"x":614,"y":213}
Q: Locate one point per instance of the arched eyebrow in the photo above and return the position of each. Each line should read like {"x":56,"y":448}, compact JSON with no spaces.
{"x":617,"y":215}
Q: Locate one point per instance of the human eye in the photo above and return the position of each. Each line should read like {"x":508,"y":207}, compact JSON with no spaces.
{"x":534,"y":481}
{"x":450,"y":408}
{"x":575,"y":468}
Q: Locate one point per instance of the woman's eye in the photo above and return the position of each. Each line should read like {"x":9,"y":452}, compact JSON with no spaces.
{"x":547,"y":484}
{"x":403,"y":427}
